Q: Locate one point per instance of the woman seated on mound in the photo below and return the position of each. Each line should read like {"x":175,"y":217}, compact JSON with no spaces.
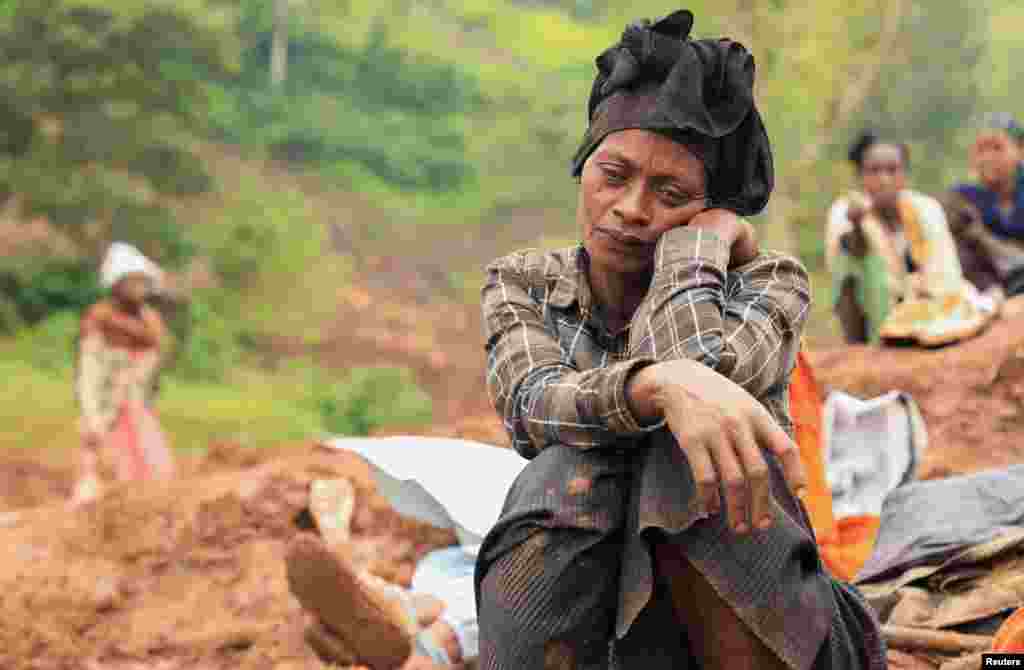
{"x":987,"y":217}
{"x":894,"y":265}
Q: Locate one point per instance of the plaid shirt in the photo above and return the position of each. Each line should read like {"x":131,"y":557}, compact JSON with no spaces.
{"x":557,"y":375}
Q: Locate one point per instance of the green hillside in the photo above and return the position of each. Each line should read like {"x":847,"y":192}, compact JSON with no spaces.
{"x":414,"y":127}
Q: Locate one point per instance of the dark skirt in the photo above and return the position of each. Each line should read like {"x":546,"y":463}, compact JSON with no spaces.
{"x":565,"y":578}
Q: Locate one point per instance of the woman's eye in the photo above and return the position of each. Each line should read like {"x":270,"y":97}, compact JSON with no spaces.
{"x":674,"y":198}
{"x":612,"y":175}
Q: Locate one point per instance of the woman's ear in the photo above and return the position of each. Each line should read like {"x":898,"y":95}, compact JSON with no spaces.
{"x":1019,"y":146}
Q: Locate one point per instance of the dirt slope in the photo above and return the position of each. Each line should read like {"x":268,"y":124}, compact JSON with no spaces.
{"x":184,"y":575}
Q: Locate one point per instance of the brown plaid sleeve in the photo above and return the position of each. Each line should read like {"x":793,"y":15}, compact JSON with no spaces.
{"x":541,"y":396}
{"x":744,"y":323}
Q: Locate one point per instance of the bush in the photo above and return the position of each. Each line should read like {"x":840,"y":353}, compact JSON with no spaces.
{"x":37,"y":288}
{"x":210,"y":347}
{"x":370,"y":398}
{"x":244,"y":252}
{"x":49,"y":346}
{"x":155,"y":231}
{"x":380,"y":108}
{"x":10,"y":318}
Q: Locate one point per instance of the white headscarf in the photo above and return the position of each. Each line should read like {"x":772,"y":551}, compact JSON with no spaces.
{"x":123,"y":260}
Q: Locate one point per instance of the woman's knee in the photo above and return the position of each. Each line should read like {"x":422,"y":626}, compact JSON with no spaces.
{"x":553,"y":575}
{"x":548,"y":604}
{"x":581,"y":489}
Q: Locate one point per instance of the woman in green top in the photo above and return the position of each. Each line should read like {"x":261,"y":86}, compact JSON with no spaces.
{"x":894,"y":264}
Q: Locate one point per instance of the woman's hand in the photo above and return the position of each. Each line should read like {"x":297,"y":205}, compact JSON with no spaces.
{"x":722,"y":430}
{"x":92,"y":439}
{"x":92,"y":436}
{"x":736,"y":232}
{"x":854,"y":240}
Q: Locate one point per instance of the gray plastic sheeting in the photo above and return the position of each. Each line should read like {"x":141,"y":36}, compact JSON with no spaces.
{"x":927,"y":523}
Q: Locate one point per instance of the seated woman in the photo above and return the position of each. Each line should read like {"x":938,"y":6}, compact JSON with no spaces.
{"x":644,"y":374}
{"x":894,"y":264}
{"x":987,"y":218}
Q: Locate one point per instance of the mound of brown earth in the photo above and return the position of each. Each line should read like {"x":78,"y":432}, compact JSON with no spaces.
{"x":971,"y":395}
{"x":187,"y":574}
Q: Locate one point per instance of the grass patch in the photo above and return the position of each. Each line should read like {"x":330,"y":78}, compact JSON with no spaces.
{"x":253,"y":406}
{"x":256,"y":408}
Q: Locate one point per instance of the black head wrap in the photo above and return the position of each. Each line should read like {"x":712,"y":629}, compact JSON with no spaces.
{"x":868,"y":139}
{"x":699,"y":92}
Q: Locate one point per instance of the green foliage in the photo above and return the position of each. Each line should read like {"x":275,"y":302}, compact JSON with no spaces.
{"x":155,"y":231}
{"x":930,"y":88}
{"x":49,"y":346}
{"x":266,"y":231}
{"x":369,"y":398}
{"x":240,"y":257}
{"x":10,"y":319}
{"x":95,"y":127}
{"x":211,"y":347}
{"x":257,"y":409}
{"x":397,"y":116}
{"x":36,"y":288}
{"x":437,"y":112}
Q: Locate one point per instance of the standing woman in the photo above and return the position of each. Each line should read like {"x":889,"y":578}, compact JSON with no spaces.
{"x":895,"y":270}
{"x":122,"y":341}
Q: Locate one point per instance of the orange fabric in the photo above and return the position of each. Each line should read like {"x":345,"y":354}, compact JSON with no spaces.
{"x":845,"y":544}
{"x":1009,"y":639}
{"x":850,"y":549}
{"x":805,"y":406}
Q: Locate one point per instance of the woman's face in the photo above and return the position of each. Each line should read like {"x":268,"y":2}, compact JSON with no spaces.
{"x":132,"y":289}
{"x":635,"y":186}
{"x":883,"y":174}
{"x":995,"y":155}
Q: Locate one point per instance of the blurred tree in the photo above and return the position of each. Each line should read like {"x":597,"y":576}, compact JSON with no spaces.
{"x":929,"y":87}
{"x":279,"y":48}
{"x":1003,"y":83}
{"x":95,"y":120}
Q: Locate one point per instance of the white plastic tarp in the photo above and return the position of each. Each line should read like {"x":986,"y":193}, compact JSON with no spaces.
{"x":871,"y":448}
{"x":447,"y":482}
